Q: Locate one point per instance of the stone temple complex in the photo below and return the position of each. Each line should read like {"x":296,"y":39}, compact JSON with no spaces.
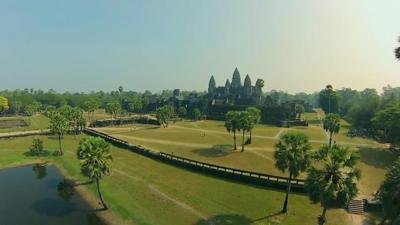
{"x":234,"y":92}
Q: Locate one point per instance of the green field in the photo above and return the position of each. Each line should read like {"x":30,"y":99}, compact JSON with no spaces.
{"x":23,"y":123}
{"x":208,"y":141}
{"x":143,"y":191}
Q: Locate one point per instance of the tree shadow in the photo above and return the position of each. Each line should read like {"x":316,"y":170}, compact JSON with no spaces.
{"x":54,"y":207}
{"x":215,"y":151}
{"x":269,"y":216}
{"x":225,"y":219}
{"x":53,"y":137}
{"x":65,"y":190}
{"x":93,"y":219}
{"x":40,"y":171}
{"x":376,"y":157}
{"x":43,"y":153}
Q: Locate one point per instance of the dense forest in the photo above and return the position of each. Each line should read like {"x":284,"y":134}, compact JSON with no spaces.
{"x":367,"y":110}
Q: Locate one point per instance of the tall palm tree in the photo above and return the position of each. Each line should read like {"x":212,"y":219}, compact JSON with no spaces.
{"x":95,"y":159}
{"x":333,"y":183}
{"x":246,"y":124}
{"x":389,"y":195}
{"x":292,"y":155}
{"x":255,"y":115}
{"x":331,"y":124}
{"x":58,"y":126}
{"x":232,"y":124}
{"x":299,"y":110}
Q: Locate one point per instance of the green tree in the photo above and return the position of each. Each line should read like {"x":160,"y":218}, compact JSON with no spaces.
{"x":331,"y":125}
{"x":232,"y":124}
{"x":113,"y":108}
{"x":389,"y":195}
{"x":328,"y":100}
{"x":246,"y":124}
{"x":292,"y":155}
{"x":196,"y":114}
{"x":164,"y":114}
{"x":3,"y":104}
{"x":95,"y":158}
{"x":388,"y":120}
{"x":16,"y":106}
{"x":58,"y":126}
{"x":90,"y":107}
{"x":255,"y":116}
{"x":182,"y":111}
{"x":333,"y":182}
{"x":299,"y":110}
{"x":135,"y":105}
{"x":36,"y":147}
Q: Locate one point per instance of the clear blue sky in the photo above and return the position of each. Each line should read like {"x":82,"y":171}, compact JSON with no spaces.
{"x":295,"y":46}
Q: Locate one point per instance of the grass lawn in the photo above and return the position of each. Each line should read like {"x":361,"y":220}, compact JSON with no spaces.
{"x":144,"y":191}
{"x":35,"y":122}
{"x":208,"y":141}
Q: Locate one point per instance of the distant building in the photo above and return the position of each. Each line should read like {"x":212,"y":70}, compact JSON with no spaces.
{"x":234,"y":93}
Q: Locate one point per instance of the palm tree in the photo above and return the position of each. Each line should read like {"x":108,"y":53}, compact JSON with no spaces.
{"x":232,"y":124}
{"x":331,"y":124}
{"x":389,"y":195}
{"x":58,"y":126}
{"x":299,"y":110}
{"x":246,"y":124}
{"x":255,"y":115}
{"x":333,"y":182}
{"x":95,"y":159}
{"x":292,"y":155}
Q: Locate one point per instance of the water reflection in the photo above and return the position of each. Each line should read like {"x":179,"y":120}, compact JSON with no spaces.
{"x":65,"y":190}
{"x":48,"y":202}
{"x":40,"y":171}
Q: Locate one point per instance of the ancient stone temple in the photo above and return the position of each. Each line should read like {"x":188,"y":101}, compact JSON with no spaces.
{"x":234,"y":93}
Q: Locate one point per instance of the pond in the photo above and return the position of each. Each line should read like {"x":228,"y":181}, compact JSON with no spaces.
{"x":39,"y":195}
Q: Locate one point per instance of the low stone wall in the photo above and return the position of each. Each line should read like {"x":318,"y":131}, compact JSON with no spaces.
{"x":243,"y":176}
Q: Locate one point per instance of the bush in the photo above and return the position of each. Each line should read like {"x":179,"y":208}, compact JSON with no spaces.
{"x":37,"y":146}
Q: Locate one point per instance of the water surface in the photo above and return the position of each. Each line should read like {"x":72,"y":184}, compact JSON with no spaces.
{"x":38,"y":195}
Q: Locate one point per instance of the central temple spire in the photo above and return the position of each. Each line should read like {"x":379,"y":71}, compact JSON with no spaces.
{"x":236,"y":81}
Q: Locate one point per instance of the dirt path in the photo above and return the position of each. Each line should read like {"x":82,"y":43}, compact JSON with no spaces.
{"x":23,"y":133}
{"x":185,"y":144}
{"x":278,"y":135}
{"x":355,"y":219}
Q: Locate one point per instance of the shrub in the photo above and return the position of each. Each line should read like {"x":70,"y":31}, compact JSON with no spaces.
{"x":37,"y":146}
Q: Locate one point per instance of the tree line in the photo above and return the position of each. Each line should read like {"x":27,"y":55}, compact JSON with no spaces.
{"x":370,"y":114}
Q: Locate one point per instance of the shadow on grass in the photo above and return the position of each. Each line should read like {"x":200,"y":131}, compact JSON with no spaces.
{"x":225,"y":219}
{"x":373,"y":216}
{"x":269,"y":216}
{"x":215,"y":151}
{"x":44,"y":153}
{"x":376,"y":157}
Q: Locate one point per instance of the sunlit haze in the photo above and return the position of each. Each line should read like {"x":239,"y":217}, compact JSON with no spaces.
{"x":154,"y":45}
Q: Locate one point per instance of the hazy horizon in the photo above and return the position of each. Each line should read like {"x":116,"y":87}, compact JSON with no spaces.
{"x":149,"y":45}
